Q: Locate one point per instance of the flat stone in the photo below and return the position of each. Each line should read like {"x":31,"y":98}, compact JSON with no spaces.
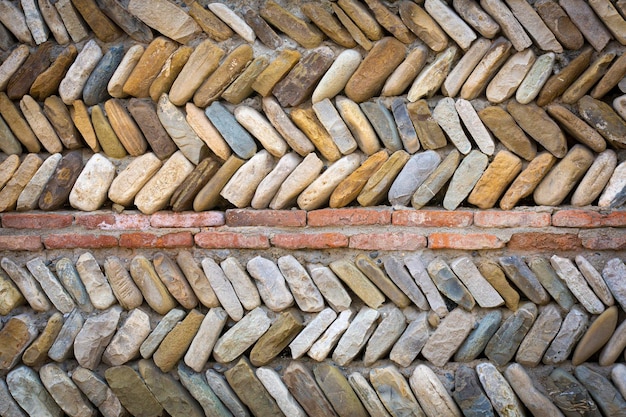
{"x":338,"y":390}
{"x":612,"y":350}
{"x":95,"y":90}
{"x":173,"y":278}
{"x":390,"y":21}
{"x":539,"y":337}
{"x":196,"y":278}
{"x":271,"y":283}
{"x":62,"y":347}
{"x":431,"y":393}
{"x":47,"y":83}
{"x":385,"y":336}
{"x":360,"y":15}
{"x":394,"y":391}
{"x":358,"y":282}
{"x":301,"y":383}
{"x":577,"y":128}
{"x":406,"y":348}
{"x":596,"y":336}
{"x":558,"y":83}
{"x":504,"y":168}
{"x":523,"y":277}
{"x":617,"y":376}
{"x":613,"y":274}
{"x":610,"y":79}
{"x":282,"y":331}
{"x":448,"y":337}
{"x":225,"y":393}
{"x":278,"y":390}
{"x":182,"y":199}
{"x":475,"y":343}
{"x":201,"y":391}
{"x":147,"y":67}
{"x":209,"y":195}
{"x":560,"y":24}
{"x":250,"y":390}
{"x":608,"y":398}
{"x":595,"y":179}
{"x":95,"y":282}
{"x":551,"y":282}
{"x":177,"y":341}
{"x":611,"y":18}
{"x":484,"y":294}
{"x":420,"y":275}
{"x":377,"y":187}
{"x":307,"y":121}
{"x":527,"y":181}
{"x":12,"y":63}
{"x":103,"y":28}
{"x":60,"y":118}
{"x":475,"y":127}
{"x":133,"y":178}
{"x":535,"y":27}
{"x":106,"y":136}
{"x":202,"y":126}
{"x":8,"y":168}
{"x":90,"y":189}
{"x":28,"y":391}
{"x":493,"y":59}
{"x":241,"y":187}
{"x":572,"y":329}
{"x":124,"y":69}
{"x":242,"y":283}
{"x":126,"y":21}
{"x":154,"y":291}
{"x":241,"y":336}
{"x":202,"y":344}
{"x":502,"y":346}
{"x":464,"y":67}
{"x":125,"y":129}
{"x":50,"y":285}
{"x":94,"y":336}
{"x":536,"y":402}
{"x":336,"y":127}
{"x":233,"y":133}
{"x":71,"y":87}
{"x":498,"y":390}
{"x":570,"y":395}
{"x":322,"y":347}
{"x":241,"y":87}
{"x":167,"y":323}
{"x":399,"y":275}
{"x":436,"y":180}
{"x":428,"y":131}
{"x":128,"y":339}
{"x":173,"y":120}
{"x":406,"y":130}
{"x":330,"y":287}
{"x":11,"y":297}
{"x":534,"y":120}
{"x":381,"y":280}
{"x":9,"y":145}
{"x":603,"y":118}
{"x":465,"y":178}
{"x":236,"y":23}
{"x":366,"y":82}
{"x":446,"y":115}
{"x":431,"y":78}
{"x":356,"y":336}
{"x":451,"y":23}
{"x":72,"y":282}
{"x":132,"y":391}
{"x":210,"y":24}
{"x":587,"y":22}
{"x":269,"y":186}
{"x":423,"y":25}
{"x":34,"y":65}
{"x":353,"y":184}
{"x":9,"y":407}
{"x":510,"y":26}
{"x":595,"y":280}
{"x":337,"y":75}
{"x":18,"y":125}
{"x":611,"y":195}
{"x":82,"y":120}
{"x":318,"y":193}
{"x":587,"y":79}
{"x":275,"y":71}
{"x":297,"y":29}
{"x":72,"y":20}
{"x":511,"y":74}
{"x":260,"y":128}
{"x":40,"y":125}
{"x":223,"y":289}
{"x":294,"y":137}
{"x":64,"y":391}
{"x":18,"y":333}
{"x":367,"y":395}
{"x":307,"y":296}
{"x":383,"y":123}
{"x":262,"y":29}
{"x":311,"y":332}
{"x":167,"y":19}
{"x":27,"y":285}
{"x":555,"y":186}
{"x":536,"y":78}
{"x":469,"y":395}
{"x":328,"y":24}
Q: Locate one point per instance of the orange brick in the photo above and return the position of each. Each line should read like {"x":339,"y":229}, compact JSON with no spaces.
{"x":588,"y":219}
{"x":231,"y":240}
{"x":511,"y":219}
{"x":15,"y":243}
{"x":538,"y":241}
{"x":36,"y":220}
{"x":187,"y":219}
{"x":349,"y":217}
{"x":388,"y":241}
{"x":79,"y":241}
{"x":604,"y":239}
{"x":310,"y":240}
{"x":470,"y":241}
{"x":151,"y":240}
{"x":432,"y":218}
{"x":113,"y":221}
{"x":270,"y":218}
{"x":95,"y":220}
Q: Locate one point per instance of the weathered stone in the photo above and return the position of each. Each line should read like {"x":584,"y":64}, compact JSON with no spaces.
{"x":617,"y":376}
{"x":10,"y":296}
{"x":446,"y":115}
{"x":457,"y":76}
{"x":447,"y":338}
{"x":210,"y":24}
{"x":34,"y":65}
{"x":90,"y":189}
{"x":469,"y":395}
{"x":59,"y":116}
{"x":595,"y":280}
{"x":611,"y":78}
{"x":95,"y":282}
{"x":202,"y":344}
{"x":313,"y":330}
{"x":322,"y":347}
{"x":570,"y":395}
{"x":107,"y":138}
{"x":202,"y":392}
{"x":328,"y":24}
{"x":18,"y":333}
{"x":8,"y":168}
{"x":493,"y":59}
{"x":147,"y":68}
{"x":337,"y":76}
{"x":502,"y":346}
{"x":609,"y":400}
{"x":436,"y":180}
{"x":182,"y":199}
{"x":603,"y":118}
{"x":82,"y":120}
{"x":241,"y":187}
{"x":196,"y":278}
{"x":71,"y":87}
{"x":241,"y":336}
{"x":223,"y":289}
{"x":27,"y":285}
{"x":167,"y":19}
{"x":551,"y":282}
{"x":358,"y":282}
{"x":390,"y":329}
{"x":479,"y":337}
{"x":536,"y":402}
{"x":367,"y":395}
{"x":40,"y":125}
{"x":613,"y":274}
{"x":173,"y":278}
{"x":351,"y":186}
{"x":318,"y":193}
{"x":302,"y":32}
{"x":451,"y":23}
{"x":241,"y":88}
{"x":154,"y":291}
{"x":423,"y":25}
{"x":338,"y":391}
{"x":377,"y":187}
{"x":12,"y":63}
{"x":233,"y":133}
{"x":338,"y":130}
{"x":405,"y":126}
{"x":261,"y":29}
{"x":209,"y":195}
{"x":282,"y":331}
{"x":572,"y":329}
{"x":64,"y":391}
{"x":271,"y":283}
{"x":174,"y":66}
{"x":72,"y":282}
{"x":505,"y":82}
{"x":28,"y":391}
{"x":95,"y":90}
{"x":306,"y":391}
{"x":225,"y":393}
{"x":128,"y":339}
{"x":9,"y":407}
{"x":539,"y":337}
{"x":381,"y":280}
{"x":587,"y":22}
{"x":50,"y":285}
{"x":560,"y":24}
{"x":275,"y":71}
{"x":484,"y":294}
{"x":71,"y":19}
{"x":127,"y":22}
{"x":9,"y":145}
{"x":236,"y":23}
{"x":418,"y":271}
{"x":432,"y":76}
{"x":305,"y":293}
{"x":132,"y":391}
{"x":613,"y":192}
{"x":124,"y":70}
{"x":177,"y":341}
{"x":399,"y":275}
{"x":330,"y":287}
{"x":534,"y":120}
{"x":613,"y":349}
{"x":383,"y":123}
{"x":98,"y":392}
{"x":558,"y":83}
{"x":47,"y":83}
{"x":278,"y":390}
{"x":465,"y":178}
{"x":535,"y":79}
{"x":582,"y":84}
{"x":411,"y":342}
{"x":595,"y":179}
{"x":498,"y":390}
{"x":528,"y":180}
{"x":63,"y":345}
{"x":269,"y":186}
{"x":95,"y":335}
{"x":526,"y":281}
{"x":504,"y":168}
{"x":19,"y":127}
{"x":308,"y":122}
{"x":511,"y":28}
{"x":250,"y":390}
{"x":356,"y":336}
{"x":394,"y":391}
{"x":577,"y":128}
{"x":167,"y":323}
{"x":261,"y":129}
{"x":596,"y":336}
{"x":133,"y":178}
{"x":431,"y":394}
{"x":125,"y":128}
{"x":535,"y":27}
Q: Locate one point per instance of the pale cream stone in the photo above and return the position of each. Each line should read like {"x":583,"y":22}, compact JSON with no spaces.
{"x":165,"y":17}
{"x":475,"y":126}
{"x":255,"y":123}
{"x":313,"y":330}
{"x":53,"y":20}
{"x":235,"y":22}
{"x":493,"y":59}
{"x":241,"y":336}
{"x":11,"y":64}
{"x":96,"y":284}
{"x":445,"y":114}
{"x":511,"y":28}
{"x":616,"y":184}
{"x":306,"y":294}
{"x":123,"y":71}
{"x":337,"y":76}
{"x":156,"y":194}
{"x":206,"y":131}
{"x":72,"y":20}
{"x":507,"y":80}
{"x":13,"y":19}
{"x":456,"y":78}
{"x":122,"y":284}
{"x":278,"y":390}
{"x":268,"y":188}
{"x":431,"y":394}
{"x":431,"y":77}
{"x":297,"y":140}
{"x":318,"y":193}
{"x":241,"y":187}
{"x":536,"y":28}
{"x":223,"y":289}
{"x":299,"y":179}
{"x":202,"y":344}
{"x":322,"y":347}
{"x":71,"y":87}
{"x":128,"y":339}
{"x":330,"y":287}
{"x":595,"y":179}
{"x":91,"y":187}
{"x":568,"y":272}
{"x":535,"y":79}
{"x":360,"y":126}
{"x":406,"y":72}
{"x":356,"y":336}
{"x":34,"y":21}
{"x":451,"y":23}
{"x":40,"y":125}
{"x":242,"y":283}
{"x":595,"y":280}
{"x":29,"y":198}
{"x":334,"y":124}
{"x":133,"y":178}
{"x":271,"y":283}
{"x":611,"y":18}
{"x":484,"y":294}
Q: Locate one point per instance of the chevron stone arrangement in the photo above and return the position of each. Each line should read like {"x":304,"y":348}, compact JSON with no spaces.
{"x":324,"y":208}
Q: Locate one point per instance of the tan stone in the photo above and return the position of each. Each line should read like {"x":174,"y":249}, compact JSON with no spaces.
{"x":232,"y":19}
{"x":18,"y":125}
{"x":352,"y":28}
{"x":306,"y":120}
{"x":359,"y":125}
{"x":358,"y":283}
{"x":241,"y":88}
{"x":176,"y":343}
{"x":433,"y":76}
{"x":428,"y":131}
{"x":375,"y":190}
{"x":558,"y":83}
{"x":536,"y":28}
{"x":144,"y":73}
{"x":505,"y":82}
{"x":613,"y":76}
{"x":587,"y":22}
{"x":13,"y":189}
{"x":82,"y":121}
{"x":15,"y":337}
{"x":282,"y":331}
{"x":123,"y":71}
{"x":102,"y":26}
{"x":534,"y":121}
{"x":451,"y":23}
{"x":494,"y":274}
{"x":11,"y":64}
{"x":297,"y":140}
{"x":297,"y":29}
{"x":560,"y":24}
{"x":328,"y":24}
{"x":125,"y":128}
{"x":165,"y":17}
{"x":196,"y":278}
{"x":423,"y":25}
{"x":132,"y":179}
{"x":37,"y":353}
{"x":498,"y":175}
{"x":317,"y":194}
{"x":351,"y":187}
{"x":406,"y":72}
{"x":54,"y":22}
{"x":174,"y":280}
{"x":170,"y":72}
{"x":122,"y":285}
{"x":197,"y":120}
{"x":47,"y":83}
{"x":464,"y":67}
{"x":510,"y":134}
{"x":511,"y":28}
{"x":58,"y":114}
{"x":10,"y":296}
{"x":40,"y":125}
{"x":202,"y":61}
{"x":72,"y":20}
{"x":611,"y":18}
{"x":390,"y":21}
{"x":275,"y":71}
{"x":255,"y":123}
{"x":476,"y":17}
{"x":596,"y":336}
{"x":577,"y":128}
{"x":486,"y":68}
{"x":107,"y":138}
{"x":594,"y":182}
{"x":154,"y":291}
{"x":7,"y":169}
{"x":527,"y":181}
{"x":209,"y":196}
{"x":210,"y":24}
{"x":587,"y":79}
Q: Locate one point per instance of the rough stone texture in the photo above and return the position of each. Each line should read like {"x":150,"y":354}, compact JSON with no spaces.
{"x":498,"y":390}
{"x":411,"y":342}
{"x":451,"y":23}
{"x":250,"y":390}
{"x":132,"y":392}
{"x":300,"y":381}
{"x":28,"y":391}
{"x":536,"y":402}
{"x":367,"y":395}
{"x":420,"y":275}
{"x":202,"y":344}
{"x":278,"y":390}
{"x":57,"y":190}
{"x":241,"y":336}
{"x":128,"y":339}
{"x":282,"y":331}
{"x":69,"y":277}
{"x":449,"y":284}
{"x":465,"y":178}
{"x":527,"y":180}
{"x":299,"y":30}
{"x":381,"y":280}
{"x":577,"y":284}
{"x":523,"y":277}
{"x":62,"y":348}
{"x":570,"y":395}
{"x":64,"y":391}
{"x":479,"y":337}
{"x":447,"y":338}
{"x":597,"y":335}
{"x":394,"y":391}
{"x":329,"y":285}
{"x":573,"y":327}
{"x":613,"y":274}
{"x":151,"y":286}
{"x":356,"y":336}
{"x":95,"y":282}
{"x":177,"y":341}
{"x":313,"y":330}
{"x":539,"y":336}
{"x":37,"y":353}
{"x":167,"y":323}
{"x":98,"y":392}
{"x":338,"y":391}
{"x":505,"y":342}
{"x":94,"y":337}
{"x":90,"y":189}
{"x":358,"y":283}
{"x":133,"y":178}
{"x":27,"y":285}
{"x":15,"y":336}
{"x":167,"y":18}
{"x":431,"y":393}
{"x":202,"y":392}
{"x":322,"y":347}
{"x":609,"y":400}
{"x":432,"y":76}
{"x":390,"y":329}
{"x":469,"y":395}
{"x":50,"y":285}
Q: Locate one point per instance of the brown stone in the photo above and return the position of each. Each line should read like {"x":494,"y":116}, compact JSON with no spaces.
{"x":210,"y":24}
{"x":498,"y":175}
{"x":15,"y":337}
{"x":148,"y":67}
{"x":102,"y":27}
{"x":351,"y":187}
{"x":17,"y":124}
{"x":369,"y":78}
{"x":510,"y":134}
{"x":297,"y":29}
{"x":382,"y":281}
{"x":7,"y":169}
{"x":428,"y":131}
{"x":165,"y":17}
{"x":82,"y":121}
{"x":286,"y":327}
{"x":527,"y":181}
{"x":305,"y":390}
{"x":176,"y":343}
{"x":47,"y":83}
{"x":134,"y":27}
{"x":40,"y":125}
{"x":209,"y":195}
{"x":390,"y":21}
{"x":132,"y":392}
{"x":328,"y":24}
{"x":604,"y":119}
{"x":592,"y":74}
{"x":424,"y":26}
{"x":577,"y":128}
{"x":251,"y":391}
{"x":560,"y":24}
{"x":58,"y":188}
{"x":175,"y":281}
{"x":125,"y":128}
{"x":298,"y":85}
{"x":613,"y":76}
{"x":36,"y":63}
{"x":338,"y":391}
{"x":361,"y":16}
{"x":11,"y":192}
{"x":59,"y":116}
{"x":170,"y":71}
{"x":263,"y":31}
{"x":493,"y":59}
{"x":307,"y":121}
{"x":183,"y":197}
{"x":534,"y":121}
{"x":596,"y":336}
{"x":218,"y":81}
{"x":37,"y":353}
{"x":107,"y":138}
{"x":275,"y":71}
{"x":241,"y":88}
{"x":144,"y":113}
{"x":558,"y":83}
{"x":375,"y":190}
{"x":494,"y":274}
{"x":202,"y":62}
{"x":354,"y":31}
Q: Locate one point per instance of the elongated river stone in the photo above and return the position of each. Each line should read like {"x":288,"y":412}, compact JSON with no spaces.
{"x":282,"y":331}
{"x":498,"y":390}
{"x":356,"y":336}
{"x":306,"y":294}
{"x":29,"y":197}
{"x":223,"y":289}
{"x":300,"y":381}
{"x":233,"y":133}
{"x":28,"y":391}
{"x":479,"y":337}
{"x":357,"y":282}
{"x":505,"y":342}
{"x":90,"y":189}
{"x":465,"y":178}
{"x":241,"y":336}
{"x":260,"y":128}
{"x":132,"y":391}
{"x":394,"y":391}
{"x":536,"y":402}
{"x":127,"y":341}
{"x":572,"y":329}
{"x":239,"y":190}
{"x":94,"y":337}
{"x":299,"y":30}
{"x":448,"y":337}
{"x":278,"y":390}
{"x":432,"y":76}
{"x":202,"y":344}
{"x":496,"y":178}
{"x":271,"y":283}
{"x":337,"y":76}
{"x":177,"y":341}
{"x":469,"y":395}
{"x":50,"y":285}
{"x":539,"y":336}
{"x":153,"y":290}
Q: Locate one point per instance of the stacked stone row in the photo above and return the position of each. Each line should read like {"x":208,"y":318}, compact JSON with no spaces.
{"x":214,"y":139}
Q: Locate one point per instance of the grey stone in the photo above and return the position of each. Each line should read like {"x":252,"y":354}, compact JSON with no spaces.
{"x":521,"y":275}
{"x":614,"y":191}
{"x":64,"y":391}
{"x":271,"y":283}
{"x":95,"y":282}
{"x":8,"y":406}
{"x":225,"y":393}
{"x":614,"y":274}
{"x":446,"y":115}
{"x":401,"y":277}
{"x":95,"y":90}
{"x":498,"y":390}
{"x":313,"y":330}
{"x":619,"y":377}
{"x":277,"y":389}
{"x":609,"y":400}
{"x":511,"y":28}
{"x":241,"y":336}
{"x":98,"y":392}
{"x":406,"y":130}
{"x":475,"y":127}
{"x":154,"y":291}
{"x":552,"y":283}
{"x":484,"y":294}
{"x":384,"y":337}
{"x":223,"y":289}
{"x":420,"y":275}
{"x":570,"y":395}
{"x":322,"y":347}
{"x":394,"y":392}
{"x":587,"y":22}
{"x":449,"y":284}
{"x":411,"y":342}
{"x":536,"y":402}
{"x":50,"y":285}
{"x":539,"y":337}
{"x":595,"y":280}
{"x":469,"y":395}
{"x":63,"y":345}
{"x":28,"y":391}
{"x":614,"y":347}
{"x":334,"y":124}
{"x":382,"y":120}
{"x":71,"y":281}
{"x":356,"y":336}
{"x":29,"y":197}
{"x":303,"y":387}
{"x":242,"y":283}
{"x":451,"y":23}
{"x":465,"y":177}
{"x":166,"y":324}
{"x":71,"y":87}
{"x":414,"y":173}
{"x":202,"y":392}
{"x":330,"y":286}
{"x":306,"y":294}
{"x":95,"y":335}
{"x":234,"y":134}
{"x":502,"y":346}
{"x":134,"y":27}
{"x":568,"y":272}
{"x":448,"y":336}
{"x":125,"y":344}
{"x":595,"y":179}
{"x":367,"y":395}
{"x":27,"y":285}
{"x":479,"y":337}
{"x":431,"y":394}
{"x":572,"y":329}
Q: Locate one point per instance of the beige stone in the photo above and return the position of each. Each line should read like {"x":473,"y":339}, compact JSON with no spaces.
{"x":486,"y":68}
{"x":353,"y":28}
{"x":125,"y":128}
{"x":536,"y":28}
{"x":210,"y":24}
{"x":558,"y":83}
{"x":124,"y":289}
{"x":128,"y":339}
{"x":37,"y":353}
{"x":536,"y":78}
{"x":169,"y":72}
{"x":477,"y":18}
{"x":241,"y":187}
{"x":241,"y":88}
{"x":358,"y":283}
{"x":14,"y":20}
{"x":262,"y":130}
{"x":138,"y":83}
{"x":40,"y":125}
{"x":205,"y":130}
{"x":406,"y":72}
{"x":503,"y":126}
{"x":423,"y":25}
{"x":451,"y":23}
{"x":133,"y":178}
{"x":511,"y":28}
{"x":294,"y":137}
{"x":359,"y":125}
{"x":17,"y":124}
{"x":90,"y":189}
{"x":527,"y":181}
{"x":587,"y":79}
{"x":577,"y":128}
{"x":505,"y":82}
{"x":11,"y":64}
{"x":464,"y":67}
{"x":57,"y":112}
{"x":306,"y":120}
{"x":275,"y":71}
{"x":82,"y":121}
{"x":300,"y":178}
{"x":52,"y":18}
{"x":12,"y":190}
{"x":318,"y":192}
{"x":595,"y":179}
{"x":123,"y":71}
{"x":176,"y":343}
{"x":432,"y":76}
{"x":534,"y":121}
{"x":166,"y":18}
{"x":498,"y":175}
{"x":153,"y":290}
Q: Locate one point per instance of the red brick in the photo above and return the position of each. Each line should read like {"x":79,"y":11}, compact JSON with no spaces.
{"x":113,"y":221}
{"x":349,"y":217}
{"x":432,"y":218}
{"x":511,"y":219}
{"x":588,"y":218}
{"x":310,"y":240}
{"x":270,"y":218}
{"x":388,"y":241}
{"x":82,"y":241}
{"x":187,"y":219}
{"x":231,"y":240}
{"x":15,"y":243}
{"x":604,"y":240}
{"x":538,"y":241}
{"x":471,"y":241}
{"x":150,"y":240}
{"x":36,"y":220}
{"x":95,"y":220}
